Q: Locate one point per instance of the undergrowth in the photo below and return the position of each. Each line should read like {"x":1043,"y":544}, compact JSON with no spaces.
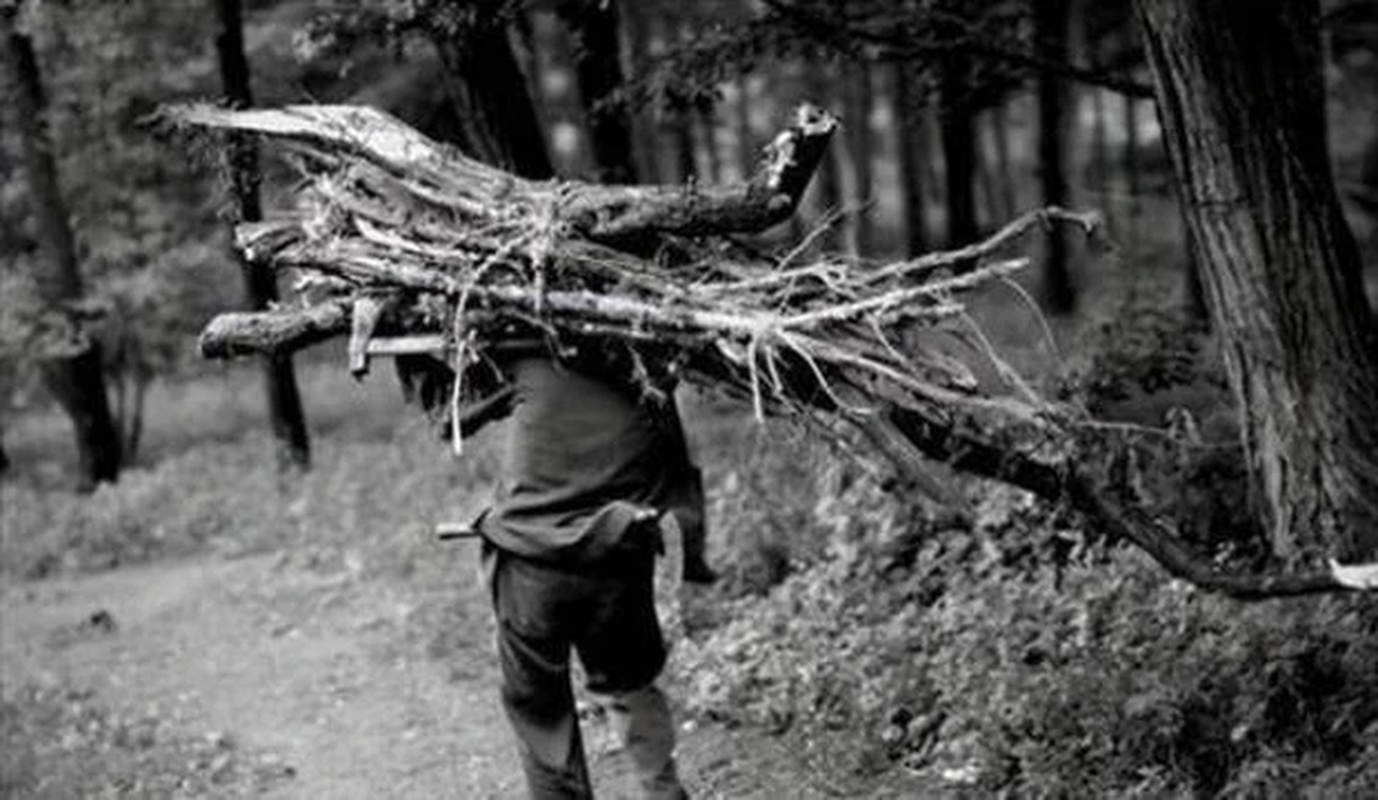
{"x":1015,"y":653}
{"x":1091,"y":675}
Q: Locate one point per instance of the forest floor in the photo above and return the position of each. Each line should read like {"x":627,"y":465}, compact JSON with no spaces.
{"x":289,"y":673}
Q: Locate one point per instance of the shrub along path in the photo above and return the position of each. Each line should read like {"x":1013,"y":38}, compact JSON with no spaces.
{"x":290,"y":674}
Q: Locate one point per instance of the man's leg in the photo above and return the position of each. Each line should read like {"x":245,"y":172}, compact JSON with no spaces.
{"x":622,"y":651}
{"x":642,"y":720}
{"x":536,"y":691}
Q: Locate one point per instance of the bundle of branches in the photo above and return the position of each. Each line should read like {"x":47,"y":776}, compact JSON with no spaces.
{"x":399,"y":235}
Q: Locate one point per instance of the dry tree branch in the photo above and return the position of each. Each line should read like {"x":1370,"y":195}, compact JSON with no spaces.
{"x":500,"y":253}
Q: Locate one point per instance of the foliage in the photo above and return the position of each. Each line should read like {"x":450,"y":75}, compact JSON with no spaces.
{"x":997,"y":37}
{"x":992,"y":663}
{"x":1154,"y":370}
{"x":145,"y":224}
{"x":344,"y":27}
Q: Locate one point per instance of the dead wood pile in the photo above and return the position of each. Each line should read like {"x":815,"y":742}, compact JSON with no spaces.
{"x":407,"y":246}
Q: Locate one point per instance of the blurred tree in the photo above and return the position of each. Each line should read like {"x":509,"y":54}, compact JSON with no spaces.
{"x":1129,"y":163}
{"x":637,"y":29}
{"x":970,"y":56}
{"x":858,"y":103}
{"x":957,"y":109}
{"x":70,"y":360}
{"x":593,"y":24}
{"x":1242,"y":104}
{"x":260,"y":280}
{"x":913,"y":153}
{"x":1051,"y":21}
{"x":1004,"y":168}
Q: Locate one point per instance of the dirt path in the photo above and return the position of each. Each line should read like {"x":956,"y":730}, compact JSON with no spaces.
{"x":317,"y":673}
{"x":304,"y":667}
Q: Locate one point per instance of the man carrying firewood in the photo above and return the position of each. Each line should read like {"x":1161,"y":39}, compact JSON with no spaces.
{"x":596,"y":468}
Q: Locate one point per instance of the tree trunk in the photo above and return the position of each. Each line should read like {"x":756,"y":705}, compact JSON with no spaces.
{"x":1051,"y":20}
{"x":958,"y":133}
{"x":1242,"y":105}
{"x":637,"y":35}
{"x":741,"y":119}
{"x":1197,"y":308}
{"x":859,"y":99}
{"x":598,"y":67}
{"x":705,"y":122}
{"x":492,"y":100}
{"x":987,"y":167}
{"x":1100,"y":148}
{"x":828,"y":179}
{"x":260,"y":282}
{"x":909,"y":111}
{"x":1130,"y":165}
{"x":77,"y":382}
{"x":1000,"y":129}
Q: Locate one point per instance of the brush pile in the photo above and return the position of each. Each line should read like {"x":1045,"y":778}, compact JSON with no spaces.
{"x":399,"y":237}
{"x":413,"y":250}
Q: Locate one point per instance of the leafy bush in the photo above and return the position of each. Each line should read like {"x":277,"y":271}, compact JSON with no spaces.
{"x":1085,"y":674}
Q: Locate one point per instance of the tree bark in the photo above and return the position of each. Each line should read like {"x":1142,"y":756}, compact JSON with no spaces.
{"x":1242,"y":104}
{"x":593,"y":25}
{"x":285,"y":412}
{"x":912,"y":153}
{"x":1051,"y":20}
{"x":77,"y":381}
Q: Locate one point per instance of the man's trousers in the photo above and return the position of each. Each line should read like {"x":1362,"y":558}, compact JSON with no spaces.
{"x":607,"y":614}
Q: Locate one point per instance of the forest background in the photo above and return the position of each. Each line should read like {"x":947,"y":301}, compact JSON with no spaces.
{"x":997,"y":647}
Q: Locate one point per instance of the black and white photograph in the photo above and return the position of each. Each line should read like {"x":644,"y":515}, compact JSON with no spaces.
{"x":667,"y":399}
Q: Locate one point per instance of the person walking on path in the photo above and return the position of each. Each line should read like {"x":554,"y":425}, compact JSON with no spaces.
{"x":596,"y":466}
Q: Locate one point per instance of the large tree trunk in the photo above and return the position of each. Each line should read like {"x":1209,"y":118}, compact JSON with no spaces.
{"x":1051,"y":20}
{"x":76,"y":381}
{"x":598,"y":67}
{"x":1241,"y":100}
{"x":912,"y":153}
{"x":260,"y":282}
